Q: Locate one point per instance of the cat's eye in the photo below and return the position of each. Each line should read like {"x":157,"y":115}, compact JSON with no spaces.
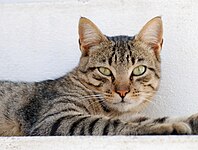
{"x":105,"y":71}
{"x":138,"y":71}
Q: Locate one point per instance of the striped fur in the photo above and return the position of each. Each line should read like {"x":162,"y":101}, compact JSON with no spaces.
{"x":86,"y":102}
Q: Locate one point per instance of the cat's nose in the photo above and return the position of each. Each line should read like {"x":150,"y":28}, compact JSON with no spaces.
{"x":122,"y":93}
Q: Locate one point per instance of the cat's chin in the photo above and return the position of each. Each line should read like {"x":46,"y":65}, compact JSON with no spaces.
{"x":126,"y":107}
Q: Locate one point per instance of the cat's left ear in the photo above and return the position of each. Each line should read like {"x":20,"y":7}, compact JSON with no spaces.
{"x":152,"y":33}
{"x":89,"y":35}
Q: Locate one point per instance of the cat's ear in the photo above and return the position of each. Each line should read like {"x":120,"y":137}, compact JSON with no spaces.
{"x":152,"y":33}
{"x":89,"y":35}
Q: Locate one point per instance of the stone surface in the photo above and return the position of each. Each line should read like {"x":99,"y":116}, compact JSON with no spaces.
{"x":100,"y":143}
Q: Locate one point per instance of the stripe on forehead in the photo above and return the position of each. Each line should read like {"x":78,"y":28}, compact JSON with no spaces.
{"x":121,"y":44}
{"x":120,"y":38}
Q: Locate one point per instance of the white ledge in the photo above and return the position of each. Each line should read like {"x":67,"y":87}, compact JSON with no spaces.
{"x":100,"y":143}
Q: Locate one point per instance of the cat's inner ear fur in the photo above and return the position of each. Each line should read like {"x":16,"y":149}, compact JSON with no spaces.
{"x":152,"y":33}
{"x":89,"y":35}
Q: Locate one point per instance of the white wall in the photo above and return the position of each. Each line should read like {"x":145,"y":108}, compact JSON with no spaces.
{"x":38,"y":40}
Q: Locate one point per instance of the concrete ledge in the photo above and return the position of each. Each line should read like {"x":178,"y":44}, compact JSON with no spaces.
{"x":100,"y":143}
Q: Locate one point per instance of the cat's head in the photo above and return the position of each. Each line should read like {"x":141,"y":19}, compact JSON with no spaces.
{"x":124,"y":69}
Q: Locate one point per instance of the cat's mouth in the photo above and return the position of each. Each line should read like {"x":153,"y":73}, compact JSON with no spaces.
{"x":124,"y":106}
{"x":121,"y":102}
{"x":134,"y":103}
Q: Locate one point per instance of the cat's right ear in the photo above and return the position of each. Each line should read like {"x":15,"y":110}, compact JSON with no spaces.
{"x":89,"y":35}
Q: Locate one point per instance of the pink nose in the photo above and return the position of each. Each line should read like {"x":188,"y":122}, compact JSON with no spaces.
{"x":122,"y":93}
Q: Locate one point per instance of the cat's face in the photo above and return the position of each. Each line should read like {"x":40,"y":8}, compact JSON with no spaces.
{"x":125,"y":70}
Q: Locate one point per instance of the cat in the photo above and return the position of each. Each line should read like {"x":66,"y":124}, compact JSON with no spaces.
{"x":116,"y":78}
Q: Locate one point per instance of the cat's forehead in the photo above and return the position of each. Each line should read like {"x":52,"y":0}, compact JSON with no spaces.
{"x":120,"y":52}
{"x":123,"y":49}
{"x":121,"y":46}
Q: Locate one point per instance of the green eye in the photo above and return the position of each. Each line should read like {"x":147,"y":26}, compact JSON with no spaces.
{"x":104,"y":71}
{"x":140,"y":70}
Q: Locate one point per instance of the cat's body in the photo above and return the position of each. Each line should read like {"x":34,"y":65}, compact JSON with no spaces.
{"x":115,"y":79}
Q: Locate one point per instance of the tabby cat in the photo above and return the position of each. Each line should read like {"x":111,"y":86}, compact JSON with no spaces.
{"x":115,"y":79}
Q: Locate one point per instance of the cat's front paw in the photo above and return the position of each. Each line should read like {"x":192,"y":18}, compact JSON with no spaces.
{"x":178,"y":128}
{"x":193,"y":122}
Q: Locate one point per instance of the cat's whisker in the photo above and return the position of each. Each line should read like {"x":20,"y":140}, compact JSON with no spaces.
{"x":95,"y":104}
{"x":96,"y":95}
{"x":91,"y":96}
{"x":95,"y":101}
{"x":107,"y":94}
{"x":153,"y":104}
{"x":112,"y":114}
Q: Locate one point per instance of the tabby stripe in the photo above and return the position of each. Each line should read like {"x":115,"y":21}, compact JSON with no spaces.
{"x":115,"y":58}
{"x":151,"y":86}
{"x":98,"y":78}
{"x":133,"y":60}
{"x":153,"y":70}
{"x":130,"y":53}
{"x":75,"y":124}
{"x":73,"y":94}
{"x":56,"y":125}
{"x":141,"y":119}
{"x":111,"y":57}
{"x":99,"y":85}
{"x":91,"y":69}
{"x":116,"y":123}
{"x":57,"y":113}
{"x":106,"y":128}
{"x":127,"y":58}
{"x":160,"y":120}
{"x":82,"y":86}
{"x":88,"y":83}
{"x":104,"y":107}
{"x":51,"y":107}
{"x":140,"y":60}
{"x":77,"y":104}
{"x":114,"y":48}
{"x":91,"y":126}
{"x":110,"y":61}
{"x":82,"y":131}
{"x":128,"y":46}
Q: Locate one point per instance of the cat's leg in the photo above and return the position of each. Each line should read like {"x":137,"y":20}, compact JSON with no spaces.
{"x":79,"y":124}
{"x":193,"y":122}
{"x":164,"y":125}
{"x":179,"y":122}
